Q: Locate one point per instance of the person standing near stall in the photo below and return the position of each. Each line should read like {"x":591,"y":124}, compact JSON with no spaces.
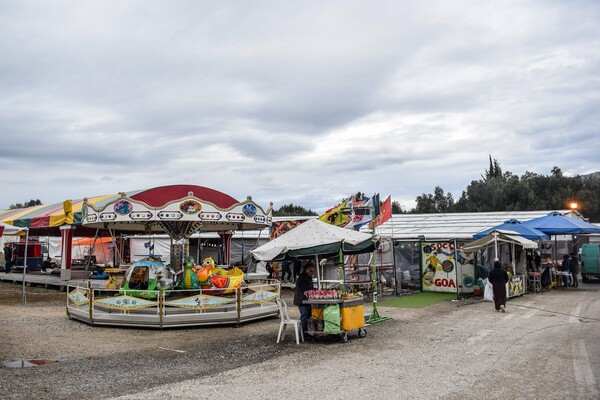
{"x":499,"y":278}
{"x":286,"y":271}
{"x":537,"y":259}
{"x":565,"y":268}
{"x":575,"y":269}
{"x":8,"y":256}
{"x":304,"y":283}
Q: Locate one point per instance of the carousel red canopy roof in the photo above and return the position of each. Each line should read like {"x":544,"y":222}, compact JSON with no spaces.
{"x":159,"y":196}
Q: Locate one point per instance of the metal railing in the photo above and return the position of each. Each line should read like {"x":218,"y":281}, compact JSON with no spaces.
{"x":171,"y":307}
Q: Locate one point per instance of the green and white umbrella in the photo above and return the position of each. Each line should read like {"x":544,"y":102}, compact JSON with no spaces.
{"x":315,"y":238}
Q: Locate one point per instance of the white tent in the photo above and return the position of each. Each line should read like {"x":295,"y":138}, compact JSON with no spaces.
{"x":6,"y":229}
{"x":315,"y":237}
{"x":500,"y":236}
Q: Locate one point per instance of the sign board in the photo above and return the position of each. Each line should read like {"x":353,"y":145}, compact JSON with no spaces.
{"x":443,"y":270}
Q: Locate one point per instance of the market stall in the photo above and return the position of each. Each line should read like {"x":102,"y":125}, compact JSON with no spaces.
{"x":335,"y":309}
{"x":516,"y":285}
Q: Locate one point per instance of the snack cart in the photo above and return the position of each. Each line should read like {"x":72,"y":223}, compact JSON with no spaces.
{"x":334,"y":313}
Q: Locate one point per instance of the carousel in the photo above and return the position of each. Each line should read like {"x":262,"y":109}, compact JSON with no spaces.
{"x":153,"y":294}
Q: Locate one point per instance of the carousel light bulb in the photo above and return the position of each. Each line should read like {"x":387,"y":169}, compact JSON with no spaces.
{"x":573,"y":205}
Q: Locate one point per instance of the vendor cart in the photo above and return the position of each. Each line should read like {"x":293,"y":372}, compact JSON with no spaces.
{"x":337,"y":317}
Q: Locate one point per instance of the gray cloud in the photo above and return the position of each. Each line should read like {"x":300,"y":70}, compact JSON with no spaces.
{"x":303,"y":102}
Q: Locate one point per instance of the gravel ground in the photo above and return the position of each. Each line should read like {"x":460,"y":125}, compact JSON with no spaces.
{"x":451,"y":350}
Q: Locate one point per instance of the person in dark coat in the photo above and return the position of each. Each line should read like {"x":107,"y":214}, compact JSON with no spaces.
{"x":499,"y":278}
{"x":8,"y":256}
{"x":286,"y":271}
{"x":297,"y":269}
{"x":575,"y":269}
{"x":565,"y":267}
{"x":304,"y":283}
{"x":537,"y":259}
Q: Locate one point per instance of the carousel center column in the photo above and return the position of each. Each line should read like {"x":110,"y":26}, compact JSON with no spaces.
{"x":226,"y":243}
{"x":66,"y":233}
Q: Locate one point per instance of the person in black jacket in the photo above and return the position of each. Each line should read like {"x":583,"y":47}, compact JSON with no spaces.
{"x":8,"y":256}
{"x":565,"y":268}
{"x":575,"y":269}
{"x":499,"y":278}
{"x":304,"y":283}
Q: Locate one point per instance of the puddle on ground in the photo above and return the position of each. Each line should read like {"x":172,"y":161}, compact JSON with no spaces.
{"x":28,"y":363}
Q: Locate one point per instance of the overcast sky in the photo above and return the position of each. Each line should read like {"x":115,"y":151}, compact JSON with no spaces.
{"x":304,"y":102}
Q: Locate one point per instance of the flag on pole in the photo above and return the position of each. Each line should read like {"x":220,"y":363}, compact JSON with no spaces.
{"x":376,"y":205}
{"x":360,"y":216}
{"x":335,"y":216}
{"x":386,"y":212}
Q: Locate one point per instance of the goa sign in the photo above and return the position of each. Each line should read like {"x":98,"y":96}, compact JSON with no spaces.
{"x":443,"y":270}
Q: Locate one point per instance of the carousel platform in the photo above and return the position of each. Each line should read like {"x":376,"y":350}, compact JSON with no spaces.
{"x":52,"y":281}
{"x":171,"y":308}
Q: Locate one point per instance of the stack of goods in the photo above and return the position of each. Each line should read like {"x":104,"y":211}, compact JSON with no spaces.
{"x":348,"y":296}
{"x":323,"y":294}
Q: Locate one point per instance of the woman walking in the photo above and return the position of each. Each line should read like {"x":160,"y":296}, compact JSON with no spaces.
{"x":499,"y":278}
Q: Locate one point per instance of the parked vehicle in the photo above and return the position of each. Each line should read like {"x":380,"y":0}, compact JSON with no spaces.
{"x":590,"y":262}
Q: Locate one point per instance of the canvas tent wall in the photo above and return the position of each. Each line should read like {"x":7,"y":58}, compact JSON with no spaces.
{"x":99,"y":248}
{"x":407,"y":230}
{"x":242,"y":243}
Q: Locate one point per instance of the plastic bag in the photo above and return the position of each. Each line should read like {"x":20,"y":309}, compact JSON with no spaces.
{"x":488,"y":294}
{"x":332,"y":318}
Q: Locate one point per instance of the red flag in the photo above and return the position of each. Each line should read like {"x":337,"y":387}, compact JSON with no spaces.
{"x":386,"y":212}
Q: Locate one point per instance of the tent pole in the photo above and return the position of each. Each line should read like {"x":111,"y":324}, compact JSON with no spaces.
{"x":514,"y":262}
{"x":375,"y":317}
{"x":496,"y":244}
{"x":458,"y":276}
{"x":24,"y":266}
{"x":318,"y":272}
{"x":198,"y":244}
{"x":395,"y":272}
{"x":342,"y":271}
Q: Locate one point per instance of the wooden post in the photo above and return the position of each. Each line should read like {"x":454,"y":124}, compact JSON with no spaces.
{"x":238,"y":295}
{"x":161,"y":296}
{"x":91,"y":301}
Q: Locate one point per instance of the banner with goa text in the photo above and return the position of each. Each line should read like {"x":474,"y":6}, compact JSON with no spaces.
{"x":444,"y":270}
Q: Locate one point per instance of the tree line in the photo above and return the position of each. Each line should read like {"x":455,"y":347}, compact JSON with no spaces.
{"x":494,"y":191}
{"x":504,"y":191}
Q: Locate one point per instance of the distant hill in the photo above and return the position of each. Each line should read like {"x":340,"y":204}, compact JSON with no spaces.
{"x":592,"y":175}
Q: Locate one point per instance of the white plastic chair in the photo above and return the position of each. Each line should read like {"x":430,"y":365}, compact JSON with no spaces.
{"x":286,"y":320}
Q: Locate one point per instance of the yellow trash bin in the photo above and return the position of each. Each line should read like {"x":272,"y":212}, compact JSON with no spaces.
{"x":353,"y":317}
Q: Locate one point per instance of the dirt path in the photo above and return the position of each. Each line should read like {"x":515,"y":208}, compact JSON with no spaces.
{"x":541,"y":348}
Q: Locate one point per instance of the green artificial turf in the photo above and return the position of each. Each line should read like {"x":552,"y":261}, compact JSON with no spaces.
{"x":418,"y":300}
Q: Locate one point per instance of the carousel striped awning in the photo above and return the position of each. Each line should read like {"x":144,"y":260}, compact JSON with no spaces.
{"x":49,"y":217}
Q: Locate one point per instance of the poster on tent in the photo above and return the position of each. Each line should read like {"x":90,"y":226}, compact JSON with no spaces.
{"x":443,"y":270}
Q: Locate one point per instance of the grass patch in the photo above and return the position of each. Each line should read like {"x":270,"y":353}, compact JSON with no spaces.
{"x":418,"y":300}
